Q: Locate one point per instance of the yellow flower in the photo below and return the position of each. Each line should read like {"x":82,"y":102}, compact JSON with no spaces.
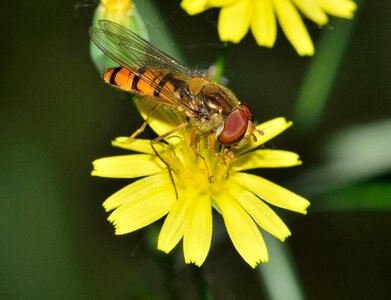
{"x":237,"y":16}
{"x":117,"y":11}
{"x":201,"y":184}
{"x":123,"y":12}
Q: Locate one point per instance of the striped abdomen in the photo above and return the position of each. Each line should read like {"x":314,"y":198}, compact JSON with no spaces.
{"x":143,"y":81}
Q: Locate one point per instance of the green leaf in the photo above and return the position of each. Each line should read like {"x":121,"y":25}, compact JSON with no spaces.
{"x":367,"y":197}
{"x":352,"y":155}
{"x":279,"y":275}
{"x":322,"y":73}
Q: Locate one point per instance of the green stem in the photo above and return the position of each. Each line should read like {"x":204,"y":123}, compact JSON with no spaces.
{"x":203,"y":286}
{"x":164,"y":261}
{"x":322,"y":73}
{"x":279,"y":276}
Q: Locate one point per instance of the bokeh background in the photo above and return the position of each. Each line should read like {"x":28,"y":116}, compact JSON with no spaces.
{"x":57,"y":116}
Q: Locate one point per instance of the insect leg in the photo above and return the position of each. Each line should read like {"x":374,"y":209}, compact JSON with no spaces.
{"x":224,"y":152}
{"x":197,"y":152}
{"x":211,"y":145}
{"x":157,"y":140}
{"x":192,"y":137}
{"x":142,"y":127}
{"x":230,"y":154}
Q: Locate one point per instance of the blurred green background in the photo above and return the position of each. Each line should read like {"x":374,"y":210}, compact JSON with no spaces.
{"x":57,"y":117}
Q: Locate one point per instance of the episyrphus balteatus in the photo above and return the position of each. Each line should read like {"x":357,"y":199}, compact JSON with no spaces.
{"x":211,"y":109}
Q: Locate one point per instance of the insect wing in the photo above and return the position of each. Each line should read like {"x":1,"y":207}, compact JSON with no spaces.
{"x":134,"y":53}
{"x":143,"y":52}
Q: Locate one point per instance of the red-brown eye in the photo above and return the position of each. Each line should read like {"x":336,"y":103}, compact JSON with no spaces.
{"x":235,"y":126}
{"x":248,"y":112}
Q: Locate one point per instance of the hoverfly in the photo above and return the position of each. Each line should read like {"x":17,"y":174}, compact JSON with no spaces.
{"x":211,"y":109}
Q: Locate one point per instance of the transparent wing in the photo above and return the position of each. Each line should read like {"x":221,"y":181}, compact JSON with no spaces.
{"x":136,"y":50}
{"x":133,"y":52}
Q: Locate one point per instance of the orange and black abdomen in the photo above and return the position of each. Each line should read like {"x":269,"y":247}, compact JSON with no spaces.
{"x":142,"y":81}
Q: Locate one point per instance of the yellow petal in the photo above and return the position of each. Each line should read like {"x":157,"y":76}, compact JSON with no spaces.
{"x":116,"y":4}
{"x":143,"y":210}
{"x":234,"y":21}
{"x":293,"y":27}
{"x":175,"y":224}
{"x":242,"y":230}
{"x":271,"y":192}
{"x":162,"y":119}
{"x":265,"y":159}
{"x":261,"y":213}
{"x":138,"y":145}
{"x":312,"y":11}
{"x":338,"y":8}
{"x":221,"y":3}
{"x":193,"y":7}
{"x":263,"y":23}
{"x":198,"y":234}
{"x":136,"y":190}
{"x":270,"y":129}
{"x":127,"y":166}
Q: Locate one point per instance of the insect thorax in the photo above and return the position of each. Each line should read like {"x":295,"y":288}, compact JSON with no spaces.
{"x":211,"y":103}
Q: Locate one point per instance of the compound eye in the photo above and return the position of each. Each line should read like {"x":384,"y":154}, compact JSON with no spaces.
{"x":235,"y":127}
{"x":248,"y":112}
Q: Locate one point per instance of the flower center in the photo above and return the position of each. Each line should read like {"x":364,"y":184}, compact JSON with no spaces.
{"x":198,"y":169}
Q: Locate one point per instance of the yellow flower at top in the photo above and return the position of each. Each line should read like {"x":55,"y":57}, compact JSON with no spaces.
{"x":237,"y":16}
{"x":115,"y":10}
{"x":123,"y":12}
{"x":202,"y":181}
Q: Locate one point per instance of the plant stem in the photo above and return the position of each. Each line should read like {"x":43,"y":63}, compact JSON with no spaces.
{"x":279,"y":276}
{"x":322,"y":74}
